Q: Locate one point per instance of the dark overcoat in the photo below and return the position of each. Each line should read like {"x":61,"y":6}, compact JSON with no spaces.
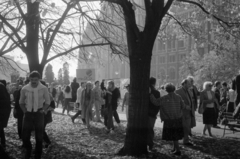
{"x":5,"y":106}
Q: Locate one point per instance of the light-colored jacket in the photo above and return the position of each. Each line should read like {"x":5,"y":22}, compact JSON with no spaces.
{"x":79,"y":94}
{"x":28,"y":96}
{"x":83,"y":98}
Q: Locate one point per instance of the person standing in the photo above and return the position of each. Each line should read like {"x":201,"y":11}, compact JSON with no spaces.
{"x":108,"y":115}
{"x":103,"y":88}
{"x":114,"y":101}
{"x":19,"y":112}
{"x":53,"y":91}
{"x":48,"y":118}
{"x":60,"y":97}
{"x":171,"y":111}
{"x":86,"y":103}
{"x":224,"y":94}
{"x":231,"y":103}
{"x":194,"y":96}
{"x":5,"y":110}
{"x":74,"y":88}
{"x":67,"y":98}
{"x":97,"y":100}
{"x":188,"y":112}
{"x":216,"y":90}
{"x":207,"y":100}
{"x":34,"y":101}
{"x":236,"y":88}
{"x":152,"y":112}
{"x":78,"y":102}
{"x":126,"y":101}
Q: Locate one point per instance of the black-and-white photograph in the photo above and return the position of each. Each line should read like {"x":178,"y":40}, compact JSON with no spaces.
{"x":119,"y":79}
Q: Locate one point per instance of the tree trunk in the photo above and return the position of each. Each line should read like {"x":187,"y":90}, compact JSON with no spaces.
{"x":137,"y":128}
{"x":32,"y":33}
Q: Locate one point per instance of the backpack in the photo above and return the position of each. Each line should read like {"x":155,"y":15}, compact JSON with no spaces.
{"x":236,"y":112}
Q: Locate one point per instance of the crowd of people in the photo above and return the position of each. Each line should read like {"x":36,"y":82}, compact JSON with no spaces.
{"x":178,"y":105}
{"x":34,"y":102}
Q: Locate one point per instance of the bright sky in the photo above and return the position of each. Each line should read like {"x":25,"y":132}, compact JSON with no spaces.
{"x":57,"y":63}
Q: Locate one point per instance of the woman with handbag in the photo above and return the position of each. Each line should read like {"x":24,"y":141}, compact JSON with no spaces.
{"x":207,"y":101}
{"x":171,"y":106}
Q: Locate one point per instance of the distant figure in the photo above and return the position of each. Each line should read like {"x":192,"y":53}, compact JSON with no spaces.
{"x":97,"y":99}
{"x":216,"y":90}
{"x":60,"y":96}
{"x":207,"y":100}
{"x":68,"y":96}
{"x":74,"y":87}
{"x":86,"y":103}
{"x":103,"y":88}
{"x":78,"y":102}
{"x":236,"y":87}
{"x":53,"y":91}
{"x":126,"y":101}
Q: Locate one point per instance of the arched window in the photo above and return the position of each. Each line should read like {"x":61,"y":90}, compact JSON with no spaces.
{"x":172,"y":74}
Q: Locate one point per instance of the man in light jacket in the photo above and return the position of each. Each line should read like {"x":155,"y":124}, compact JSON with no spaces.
{"x":78,"y":101}
{"x":34,"y":102}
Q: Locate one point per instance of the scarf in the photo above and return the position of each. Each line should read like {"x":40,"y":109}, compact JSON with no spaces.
{"x":32,"y":96}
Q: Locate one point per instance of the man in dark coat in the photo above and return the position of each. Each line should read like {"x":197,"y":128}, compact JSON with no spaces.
{"x":152,"y":112}
{"x":236,"y":87}
{"x":188,"y":112}
{"x":5,"y":110}
{"x":216,"y":90}
{"x":19,"y":113}
{"x":74,"y":87}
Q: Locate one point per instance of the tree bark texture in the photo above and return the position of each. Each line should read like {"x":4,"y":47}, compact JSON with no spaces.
{"x":32,"y":33}
{"x":137,"y":128}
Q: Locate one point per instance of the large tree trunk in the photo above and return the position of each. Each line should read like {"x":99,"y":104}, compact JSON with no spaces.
{"x":32,"y":33}
{"x":137,"y":128}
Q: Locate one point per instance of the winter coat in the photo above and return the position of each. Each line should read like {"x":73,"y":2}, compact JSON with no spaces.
{"x":5,"y":106}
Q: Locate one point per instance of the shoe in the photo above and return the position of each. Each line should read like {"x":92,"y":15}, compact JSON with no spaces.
{"x":72,"y":120}
{"x":188,"y":144}
{"x":177,"y":153}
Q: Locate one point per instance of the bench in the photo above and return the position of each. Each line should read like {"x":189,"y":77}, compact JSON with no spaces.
{"x":230,"y":121}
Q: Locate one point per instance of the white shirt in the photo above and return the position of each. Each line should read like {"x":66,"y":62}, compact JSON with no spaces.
{"x":67,"y":95}
{"x":232,"y":95}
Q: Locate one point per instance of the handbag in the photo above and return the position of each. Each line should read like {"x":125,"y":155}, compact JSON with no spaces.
{"x":200,"y":109}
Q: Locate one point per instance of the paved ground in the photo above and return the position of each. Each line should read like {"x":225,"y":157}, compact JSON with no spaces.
{"x":197,"y":130}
